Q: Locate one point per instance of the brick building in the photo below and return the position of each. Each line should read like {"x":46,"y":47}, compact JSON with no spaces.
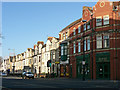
{"x":95,"y":39}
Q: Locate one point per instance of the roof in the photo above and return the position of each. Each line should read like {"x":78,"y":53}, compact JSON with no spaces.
{"x":73,"y":23}
{"x":44,"y":46}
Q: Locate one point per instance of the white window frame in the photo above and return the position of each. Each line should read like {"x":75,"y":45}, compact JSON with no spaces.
{"x":79,"y":47}
{"x":106,"y":41}
{"x":105,"y":19}
{"x":62,"y":50}
{"x":88,"y":44}
{"x":99,"y":41}
{"x":85,"y":45}
{"x":74,"y":31}
{"x":74,"y":48}
{"x":99,"y":22}
{"x":79,"y":29}
{"x":88,"y":25}
{"x":84,"y":27}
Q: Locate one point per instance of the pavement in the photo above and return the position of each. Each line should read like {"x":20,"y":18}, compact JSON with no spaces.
{"x":62,"y":83}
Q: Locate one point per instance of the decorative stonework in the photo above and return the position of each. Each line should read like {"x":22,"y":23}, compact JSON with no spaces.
{"x":102,"y":3}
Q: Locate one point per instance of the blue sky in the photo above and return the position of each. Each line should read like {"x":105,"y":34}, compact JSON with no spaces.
{"x":23,"y":24}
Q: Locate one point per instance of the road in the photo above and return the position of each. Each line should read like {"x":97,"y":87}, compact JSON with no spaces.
{"x":18,"y":82}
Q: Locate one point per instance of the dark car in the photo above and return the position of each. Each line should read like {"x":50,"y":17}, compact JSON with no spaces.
{"x":26,"y":75}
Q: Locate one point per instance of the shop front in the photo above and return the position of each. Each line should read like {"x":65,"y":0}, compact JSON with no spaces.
{"x":103,"y":65}
{"x":79,"y":66}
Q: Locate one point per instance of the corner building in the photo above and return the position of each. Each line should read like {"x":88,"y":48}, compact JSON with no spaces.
{"x":95,"y":38}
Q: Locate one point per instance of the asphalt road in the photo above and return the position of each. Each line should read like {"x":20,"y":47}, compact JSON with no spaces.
{"x":18,"y":82}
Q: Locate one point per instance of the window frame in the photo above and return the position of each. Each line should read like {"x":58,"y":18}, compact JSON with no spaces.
{"x":106,"y":19}
{"x":99,"y":23}
{"x":74,"y":48}
{"x":99,"y":42}
{"x":88,"y":44}
{"x":79,"y":29}
{"x":105,"y":40}
{"x":79,"y":47}
{"x":88,"y":24}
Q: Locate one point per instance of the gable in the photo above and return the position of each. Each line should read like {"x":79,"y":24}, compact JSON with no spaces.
{"x":87,"y":11}
{"x":102,"y":7}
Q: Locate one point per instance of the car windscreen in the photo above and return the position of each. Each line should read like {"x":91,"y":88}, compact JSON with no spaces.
{"x":29,"y":73}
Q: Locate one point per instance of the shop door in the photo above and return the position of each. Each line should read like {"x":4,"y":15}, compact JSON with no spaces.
{"x":79,"y":71}
{"x":103,"y":70}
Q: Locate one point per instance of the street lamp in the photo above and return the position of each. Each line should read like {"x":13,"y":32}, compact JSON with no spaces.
{"x":92,"y":41}
{"x":83,"y":63}
{"x":115,"y":10}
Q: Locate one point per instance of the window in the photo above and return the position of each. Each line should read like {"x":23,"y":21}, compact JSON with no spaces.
{"x":30,"y":61}
{"x":99,"y":41}
{"x":61,"y":50}
{"x":74,"y":31}
{"x":63,"y":35}
{"x":65,"y":50}
{"x":84,"y":27}
{"x":79,"y":47}
{"x":74,"y":48}
{"x":106,"y":41}
{"x":84,"y":45}
{"x":39,"y":58}
{"x":106,"y":20}
{"x":79,"y":29}
{"x":88,"y":25}
{"x":88,"y":44}
{"x":66,"y":34}
{"x":99,"y":21}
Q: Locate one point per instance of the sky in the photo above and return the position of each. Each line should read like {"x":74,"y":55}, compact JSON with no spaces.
{"x":25,"y":23}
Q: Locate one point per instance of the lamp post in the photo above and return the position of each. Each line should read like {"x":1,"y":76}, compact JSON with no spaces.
{"x":92,"y":41}
{"x":83,"y":62}
{"x":115,"y":10}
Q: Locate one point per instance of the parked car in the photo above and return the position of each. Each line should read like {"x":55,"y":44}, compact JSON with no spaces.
{"x":26,"y":75}
{"x":42,"y":75}
{"x":3,"y":74}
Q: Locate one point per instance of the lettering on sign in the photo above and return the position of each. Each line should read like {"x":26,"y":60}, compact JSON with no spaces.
{"x":103,"y":59}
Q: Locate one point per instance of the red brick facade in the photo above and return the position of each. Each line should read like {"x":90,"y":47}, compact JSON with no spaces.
{"x":101,"y":10}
